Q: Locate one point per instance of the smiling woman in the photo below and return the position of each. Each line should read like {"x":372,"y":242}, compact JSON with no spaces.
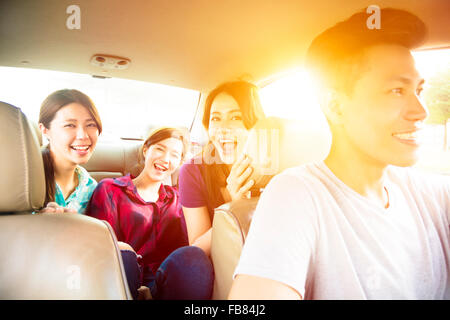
{"x":219,"y":174}
{"x":226,"y":129}
{"x":146,"y":214}
{"x":162,"y":156}
{"x":70,"y":122}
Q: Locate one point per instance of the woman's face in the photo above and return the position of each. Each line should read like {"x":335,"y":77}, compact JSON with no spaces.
{"x":226,"y":128}
{"x":163,"y":158}
{"x":72,"y":135}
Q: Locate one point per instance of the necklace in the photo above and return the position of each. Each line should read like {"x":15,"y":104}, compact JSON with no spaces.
{"x":387,"y":196}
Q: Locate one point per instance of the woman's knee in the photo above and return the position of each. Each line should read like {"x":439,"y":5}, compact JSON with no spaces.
{"x":187,"y":273}
{"x":132,"y":271}
{"x":125,"y":246}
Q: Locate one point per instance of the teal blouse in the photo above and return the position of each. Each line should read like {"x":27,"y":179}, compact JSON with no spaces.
{"x":80,"y":197}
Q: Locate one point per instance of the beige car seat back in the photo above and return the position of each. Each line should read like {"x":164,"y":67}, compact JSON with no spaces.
{"x":48,"y":256}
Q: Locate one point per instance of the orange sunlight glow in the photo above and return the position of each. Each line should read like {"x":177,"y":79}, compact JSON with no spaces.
{"x":293,"y":96}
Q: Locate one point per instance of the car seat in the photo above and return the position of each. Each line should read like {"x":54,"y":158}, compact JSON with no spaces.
{"x":48,"y":256}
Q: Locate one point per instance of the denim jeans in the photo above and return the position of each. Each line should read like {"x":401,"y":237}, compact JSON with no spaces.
{"x":186,"y":274}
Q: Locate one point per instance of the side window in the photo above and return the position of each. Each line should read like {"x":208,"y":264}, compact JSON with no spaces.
{"x":198,"y":134}
{"x":434,"y":66}
{"x":128,"y":108}
{"x":292,"y":96}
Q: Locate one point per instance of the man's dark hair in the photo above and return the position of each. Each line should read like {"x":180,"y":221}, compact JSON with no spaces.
{"x":335,"y":55}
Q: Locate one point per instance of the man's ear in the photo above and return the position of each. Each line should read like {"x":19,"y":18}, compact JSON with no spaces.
{"x":331,"y":104}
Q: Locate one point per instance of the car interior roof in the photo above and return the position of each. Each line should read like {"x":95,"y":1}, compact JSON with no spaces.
{"x":193,"y":44}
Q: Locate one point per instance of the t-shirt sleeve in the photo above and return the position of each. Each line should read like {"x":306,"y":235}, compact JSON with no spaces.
{"x":191,"y":186}
{"x":282,"y":236}
{"x":435,"y":189}
{"x":102,"y":206}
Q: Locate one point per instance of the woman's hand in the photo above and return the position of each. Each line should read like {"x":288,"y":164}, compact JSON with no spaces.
{"x":53,"y":207}
{"x":237,"y":185}
{"x":144,"y":293}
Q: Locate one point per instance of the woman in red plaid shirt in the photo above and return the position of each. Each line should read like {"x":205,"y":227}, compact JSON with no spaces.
{"x":148,"y":221}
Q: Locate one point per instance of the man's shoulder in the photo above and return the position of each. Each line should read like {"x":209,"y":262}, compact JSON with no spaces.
{"x":413,"y":178}
{"x":424,"y":188}
{"x":305,"y":170}
{"x":304,"y":181}
{"x":309,"y":174}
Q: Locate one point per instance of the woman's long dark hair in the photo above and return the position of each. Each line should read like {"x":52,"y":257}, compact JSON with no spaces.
{"x":50,"y":106}
{"x":246,"y":95}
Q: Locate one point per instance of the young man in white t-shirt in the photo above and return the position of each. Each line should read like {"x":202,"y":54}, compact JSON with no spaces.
{"x":358,"y":225}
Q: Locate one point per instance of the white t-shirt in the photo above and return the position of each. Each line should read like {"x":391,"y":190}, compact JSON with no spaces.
{"x":315,"y":234}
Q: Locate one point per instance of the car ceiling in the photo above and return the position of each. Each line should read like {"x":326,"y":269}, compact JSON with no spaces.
{"x":194,"y":44}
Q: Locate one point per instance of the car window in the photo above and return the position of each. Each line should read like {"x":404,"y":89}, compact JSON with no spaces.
{"x":128,"y":108}
{"x":434,"y":65}
{"x":293,"y":95}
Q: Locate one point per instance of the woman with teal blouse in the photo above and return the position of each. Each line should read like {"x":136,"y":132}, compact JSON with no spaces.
{"x":70,"y":122}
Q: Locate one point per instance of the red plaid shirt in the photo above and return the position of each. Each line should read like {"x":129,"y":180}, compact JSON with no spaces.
{"x":153,"y":229}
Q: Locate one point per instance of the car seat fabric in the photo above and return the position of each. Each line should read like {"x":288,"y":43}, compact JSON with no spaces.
{"x":22,"y":186}
{"x":48,"y":256}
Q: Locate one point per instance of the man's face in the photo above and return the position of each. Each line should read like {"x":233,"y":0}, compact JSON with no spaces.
{"x":382,"y":116}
